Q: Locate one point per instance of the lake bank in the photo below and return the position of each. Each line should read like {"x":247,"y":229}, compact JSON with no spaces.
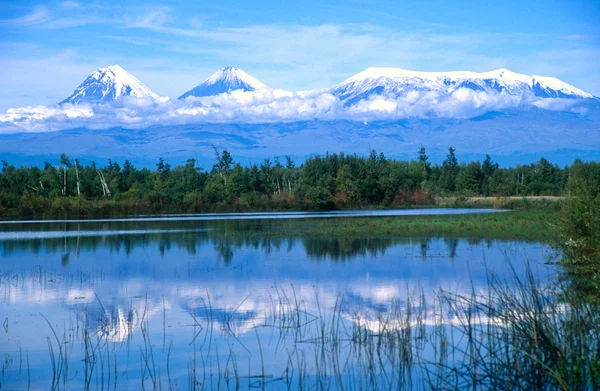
{"x":34,"y":207}
{"x":531,"y":218}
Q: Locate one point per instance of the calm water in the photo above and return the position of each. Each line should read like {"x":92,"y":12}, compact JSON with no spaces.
{"x":179,"y":302}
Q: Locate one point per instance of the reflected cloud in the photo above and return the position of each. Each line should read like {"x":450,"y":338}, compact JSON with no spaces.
{"x":121,"y":307}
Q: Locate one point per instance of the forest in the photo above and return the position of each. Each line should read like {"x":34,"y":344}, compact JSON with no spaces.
{"x":330,"y":181}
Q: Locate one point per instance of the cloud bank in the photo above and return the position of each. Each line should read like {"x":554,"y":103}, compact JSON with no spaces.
{"x":267,"y":106}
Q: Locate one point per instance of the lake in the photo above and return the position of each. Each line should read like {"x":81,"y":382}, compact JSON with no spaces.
{"x":215,"y":302}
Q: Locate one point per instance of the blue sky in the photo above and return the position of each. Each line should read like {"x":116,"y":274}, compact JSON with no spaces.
{"x":50,"y":47}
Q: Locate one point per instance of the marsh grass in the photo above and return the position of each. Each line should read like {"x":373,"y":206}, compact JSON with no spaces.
{"x":522,"y":335}
{"x":513,"y":334}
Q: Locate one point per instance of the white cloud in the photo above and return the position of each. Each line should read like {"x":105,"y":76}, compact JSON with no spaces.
{"x":462,"y":103}
{"x":555,"y":104}
{"x":263,"y":106}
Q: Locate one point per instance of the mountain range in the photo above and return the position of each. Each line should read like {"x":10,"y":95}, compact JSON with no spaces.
{"x":515,"y":118}
{"x":110,"y":84}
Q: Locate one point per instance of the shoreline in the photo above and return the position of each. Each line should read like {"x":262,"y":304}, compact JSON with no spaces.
{"x":72,"y":208}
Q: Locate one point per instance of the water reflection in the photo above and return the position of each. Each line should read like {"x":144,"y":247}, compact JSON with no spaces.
{"x":178,"y":266}
{"x":71,"y":243}
{"x":186,"y":284}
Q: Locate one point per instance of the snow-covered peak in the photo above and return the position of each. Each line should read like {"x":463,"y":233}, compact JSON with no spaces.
{"x":225,"y":80}
{"x":108,"y":85}
{"x":232,"y":75}
{"x":397,"y":82}
{"x":505,"y":75}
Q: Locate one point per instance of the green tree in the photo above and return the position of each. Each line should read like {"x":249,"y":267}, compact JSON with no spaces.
{"x":450,"y":171}
{"x":581,"y":222}
{"x":470,"y":179}
{"x":488,"y":167}
{"x":223,"y":164}
{"x":424,"y":162}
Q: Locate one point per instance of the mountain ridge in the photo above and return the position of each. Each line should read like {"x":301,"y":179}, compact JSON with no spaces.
{"x":400,"y":82}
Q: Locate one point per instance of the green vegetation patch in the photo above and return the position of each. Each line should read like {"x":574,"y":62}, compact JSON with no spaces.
{"x":531,"y":224}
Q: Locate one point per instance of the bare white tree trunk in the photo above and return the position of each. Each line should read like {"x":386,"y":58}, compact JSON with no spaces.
{"x":33,"y":188}
{"x":64,"y":192}
{"x":105,"y":189}
{"x":101,"y":183}
{"x":77,"y":175}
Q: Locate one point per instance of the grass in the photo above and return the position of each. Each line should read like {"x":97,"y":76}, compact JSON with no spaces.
{"x":522,"y":224}
{"x":524,"y":335}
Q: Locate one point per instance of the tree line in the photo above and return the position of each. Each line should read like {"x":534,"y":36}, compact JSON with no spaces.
{"x":327,"y":181}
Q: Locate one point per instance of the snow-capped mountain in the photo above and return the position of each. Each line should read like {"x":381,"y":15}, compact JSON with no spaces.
{"x":223,"y":81}
{"x":399,"y":82}
{"x":108,"y":85}
{"x":518,"y":130}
